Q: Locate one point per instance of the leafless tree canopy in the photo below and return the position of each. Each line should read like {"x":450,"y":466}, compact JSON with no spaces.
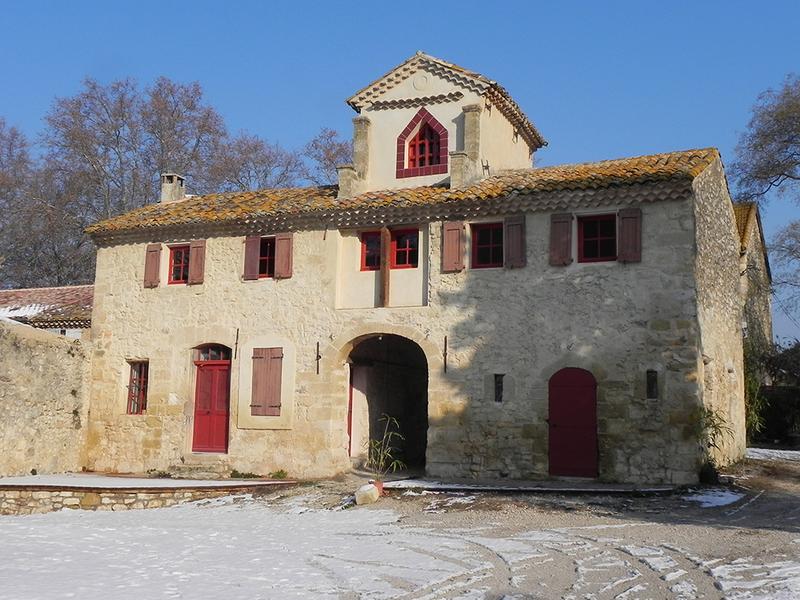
{"x":101,"y":154}
{"x":768,"y":154}
{"x":767,"y":160}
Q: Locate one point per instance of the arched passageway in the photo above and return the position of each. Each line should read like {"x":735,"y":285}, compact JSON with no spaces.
{"x":388,"y":376}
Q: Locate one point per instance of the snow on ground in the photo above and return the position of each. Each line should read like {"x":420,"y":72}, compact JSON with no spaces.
{"x":772,"y":454}
{"x":242,"y":548}
{"x":91,"y":480}
{"x":711,"y":497}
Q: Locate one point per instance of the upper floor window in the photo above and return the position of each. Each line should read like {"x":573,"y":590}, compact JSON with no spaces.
{"x":597,"y":238}
{"x":404,"y":250}
{"x":137,"y":387}
{"x":266,"y":257}
{"x":422,"y":147}
{"x":487,"y":245}
{"x":179,"y":264}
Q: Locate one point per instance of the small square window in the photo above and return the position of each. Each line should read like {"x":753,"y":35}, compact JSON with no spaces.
{"x":487,"y":245}
{"x":266,"y":258}
{"x":597,"y":238}
{"x":137,"y":387}
{"x":405,"y":249}
{"x":179,"y":264}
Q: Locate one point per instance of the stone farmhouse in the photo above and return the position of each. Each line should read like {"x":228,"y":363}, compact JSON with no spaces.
{"x":517,"y":322}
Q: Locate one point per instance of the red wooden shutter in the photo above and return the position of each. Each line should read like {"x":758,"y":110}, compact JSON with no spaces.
{"x":283,"y":256}
{"x":629,"y":241}
{"x":197,"y":261}
{"x":452,"y":246}
{"x":252,"y":252}
{"x":266,"y":392}
{"x":152,"y":262}
{"x":514,"y":242}
{"x":560,"y":239}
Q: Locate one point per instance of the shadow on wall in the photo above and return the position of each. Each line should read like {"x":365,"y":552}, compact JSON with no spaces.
{"x":506,"y":346}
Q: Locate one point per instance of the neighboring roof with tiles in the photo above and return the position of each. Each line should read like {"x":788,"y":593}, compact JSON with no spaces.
{"x":497,"y":94}
{"x":49,"y":307}
{"x":628,"y":180}
{"x":748,"y":220}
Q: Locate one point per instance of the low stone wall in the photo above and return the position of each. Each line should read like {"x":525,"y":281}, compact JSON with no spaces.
{"x":44,"y":401}
{"x":34,"y":500}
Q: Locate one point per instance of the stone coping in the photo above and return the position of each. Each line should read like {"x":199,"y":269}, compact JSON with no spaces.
{"x":552,"y":487}
{"x":92,"y":482}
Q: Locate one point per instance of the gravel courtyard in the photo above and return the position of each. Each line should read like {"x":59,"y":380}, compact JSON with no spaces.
{"x":303,"y":543}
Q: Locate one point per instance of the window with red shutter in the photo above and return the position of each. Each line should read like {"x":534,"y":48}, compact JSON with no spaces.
{"x":597,"y":238}
{"x":266,"y":390}
{"x":179,"y":264}
{"x":137,"y":387}
{"x":422,"y":147}
{"x":487,"y":245}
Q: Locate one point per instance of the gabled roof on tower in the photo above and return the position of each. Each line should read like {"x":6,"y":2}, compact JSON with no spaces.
{"x":465,"y":78}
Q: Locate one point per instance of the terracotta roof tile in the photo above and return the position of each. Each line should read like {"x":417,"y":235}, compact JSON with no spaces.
{"x":43,"y":307}
{"x":578,"y":180}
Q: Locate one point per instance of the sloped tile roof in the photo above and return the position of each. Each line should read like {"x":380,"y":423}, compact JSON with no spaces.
{"x":470,"y":80}
{"x":744,"y":212}
{"x":539,"y":184}
{"x":49,"y":306}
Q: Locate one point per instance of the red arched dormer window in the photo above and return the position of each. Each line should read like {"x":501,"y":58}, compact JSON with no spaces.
{"x":422,"y":147}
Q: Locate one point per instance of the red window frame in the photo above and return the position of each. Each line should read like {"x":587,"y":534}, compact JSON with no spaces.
{"x":179,"y":259}
{"x":597,"y":238}
{"x":423,"y":148}
{"x":137,"y":387}
{"x":495,"y":245}
{"x":405,"y":249}
{"x":266,"y":258}
{"x":424,"y":128}
{"x":404,"y":255}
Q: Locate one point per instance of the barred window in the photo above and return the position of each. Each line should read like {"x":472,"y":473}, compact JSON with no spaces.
{"x":137,"y":388}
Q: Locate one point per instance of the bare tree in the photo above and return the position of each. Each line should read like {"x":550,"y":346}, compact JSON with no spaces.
{"x":323,"y":154}
{"x":768,"y":153}
{"x":249,"y":163}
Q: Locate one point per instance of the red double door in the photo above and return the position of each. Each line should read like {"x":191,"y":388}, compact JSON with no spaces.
{"x":573,"y":424}
{"x":212,"y":406}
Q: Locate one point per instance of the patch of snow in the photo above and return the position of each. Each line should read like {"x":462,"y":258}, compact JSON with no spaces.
{"x":714,"y":497}
{"x":773,"y":581}
{"x":772,"y":454}
{"x":16,"y":312}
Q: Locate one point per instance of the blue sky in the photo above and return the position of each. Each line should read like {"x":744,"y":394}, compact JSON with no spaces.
{"x":599,"y":79}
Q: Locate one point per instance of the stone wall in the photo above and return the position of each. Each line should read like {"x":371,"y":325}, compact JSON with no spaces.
{"x":33,"y":501}
{"x":757,"y":289}
{"x":616,"y":320}
{"x":719,"y":311}
{"x":44,"y":400}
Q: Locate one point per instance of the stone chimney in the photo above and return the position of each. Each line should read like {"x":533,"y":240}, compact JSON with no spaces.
{"x":353,"y":178}
{"x":172,"y":187}
{"x":465,"y":167}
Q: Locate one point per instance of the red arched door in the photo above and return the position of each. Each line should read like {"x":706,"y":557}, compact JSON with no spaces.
{"x":573,"y":423}
{"x":212,"y":400}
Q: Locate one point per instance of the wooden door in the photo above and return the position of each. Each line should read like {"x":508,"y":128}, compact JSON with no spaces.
{"x":573,"y":423}
{"x":211,"y":406}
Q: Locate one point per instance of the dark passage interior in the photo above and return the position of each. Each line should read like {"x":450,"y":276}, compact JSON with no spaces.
{"x":391,"y":373}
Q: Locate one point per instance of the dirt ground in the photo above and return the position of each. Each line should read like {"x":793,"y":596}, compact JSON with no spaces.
{"x":595,"y":546}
